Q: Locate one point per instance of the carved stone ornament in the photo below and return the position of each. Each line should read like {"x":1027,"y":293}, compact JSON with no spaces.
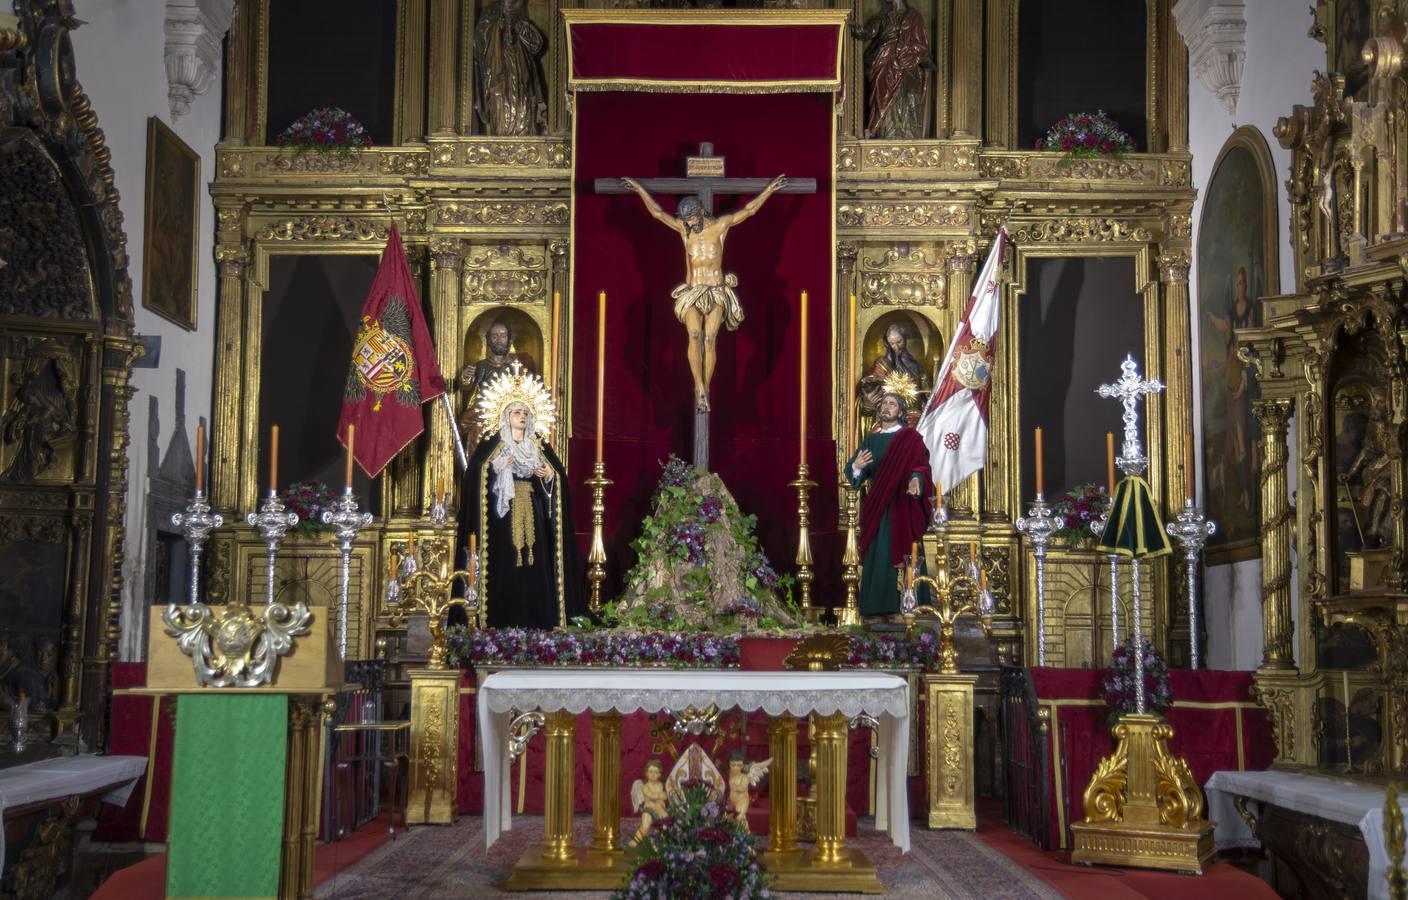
{"x":231,"y":646}
{"x":1216,"y":34}
{"x":195,"y":30}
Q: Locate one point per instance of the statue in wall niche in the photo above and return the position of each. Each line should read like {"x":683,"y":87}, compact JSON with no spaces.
{"x":509,"y":97}
{"x":1369,"y":480}
{"x":498,"y":358}
{"x":895,"y":371}
{"x":898,"y":70}
{"x":42,"y":414}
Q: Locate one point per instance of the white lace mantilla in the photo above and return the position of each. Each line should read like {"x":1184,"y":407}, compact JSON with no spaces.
{"x":652,"y":690}
{"x":626,"y":691}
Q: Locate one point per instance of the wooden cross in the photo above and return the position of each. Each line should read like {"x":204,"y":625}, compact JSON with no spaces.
{"x":705,"y":186}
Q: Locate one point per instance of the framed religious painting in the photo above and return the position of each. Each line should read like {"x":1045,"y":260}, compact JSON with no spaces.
{"x":1236,"y":265}
{"x":170,"y":232}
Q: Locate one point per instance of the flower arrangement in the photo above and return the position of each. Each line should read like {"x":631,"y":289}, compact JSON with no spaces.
{"x":680,"y":648}
{"x":1082,"y":136}
{"x":1076,"y":509}
{"x":696,"y":851}
{"x":325,"y":130}
{"x":309,"y":499}
{"x":1119,"y":687}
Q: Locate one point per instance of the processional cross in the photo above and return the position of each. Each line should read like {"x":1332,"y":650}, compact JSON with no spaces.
{"x":1128,"y":390}
{"x":706,"y":299}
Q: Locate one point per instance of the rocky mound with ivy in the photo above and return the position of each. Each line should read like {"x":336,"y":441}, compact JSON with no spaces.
{"x":699,"y":565}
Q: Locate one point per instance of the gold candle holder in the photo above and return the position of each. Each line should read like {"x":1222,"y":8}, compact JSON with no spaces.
{"x":849,"y":614}
{"x":948,"y":609}
{"x":428,"y":590}
{"x":596,"y":556}
{"x":803,"y":485}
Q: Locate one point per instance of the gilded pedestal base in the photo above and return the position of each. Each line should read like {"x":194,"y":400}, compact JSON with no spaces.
{"x":585,"y":871}
{"x":1143,"y":808}
{"x":435,"y":728}
{"x":949,"y":720}
{"x":850,"y":873}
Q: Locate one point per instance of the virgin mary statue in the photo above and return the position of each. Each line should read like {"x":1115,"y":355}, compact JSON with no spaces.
{"x":514,"y":499}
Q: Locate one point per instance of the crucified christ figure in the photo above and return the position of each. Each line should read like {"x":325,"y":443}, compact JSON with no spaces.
{"x":706,"y":299}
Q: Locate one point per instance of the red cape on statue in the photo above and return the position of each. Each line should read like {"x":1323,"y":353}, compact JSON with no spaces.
{"x":909,"y":516}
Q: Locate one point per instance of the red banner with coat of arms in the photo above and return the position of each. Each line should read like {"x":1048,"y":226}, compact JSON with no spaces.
{"x":393,"y":366}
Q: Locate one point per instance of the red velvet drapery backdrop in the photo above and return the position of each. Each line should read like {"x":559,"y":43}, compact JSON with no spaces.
{"x":786,"y":248}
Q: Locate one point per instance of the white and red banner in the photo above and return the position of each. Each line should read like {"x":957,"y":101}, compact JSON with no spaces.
{"x":955,"y":422}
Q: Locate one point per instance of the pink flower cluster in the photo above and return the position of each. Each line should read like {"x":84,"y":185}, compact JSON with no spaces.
{"x":1084,"y":135}
{"x":325,"y":130}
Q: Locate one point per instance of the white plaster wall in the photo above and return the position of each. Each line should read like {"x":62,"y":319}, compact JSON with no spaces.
{"x":119,"y":57}
{"x":1281,"y":60}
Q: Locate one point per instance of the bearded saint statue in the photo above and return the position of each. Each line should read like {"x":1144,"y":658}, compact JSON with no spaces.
{"x":897,"y":67}
{"x":508,"y":83}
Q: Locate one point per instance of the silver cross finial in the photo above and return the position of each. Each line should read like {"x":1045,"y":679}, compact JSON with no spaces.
{"x":1128,"y":390}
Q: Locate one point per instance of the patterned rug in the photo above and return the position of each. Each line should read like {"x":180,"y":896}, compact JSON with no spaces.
{"x":450,"y":861}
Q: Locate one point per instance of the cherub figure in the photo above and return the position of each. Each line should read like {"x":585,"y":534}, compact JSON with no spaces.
{"x":742,"y":776}
{"x":648,"y":799}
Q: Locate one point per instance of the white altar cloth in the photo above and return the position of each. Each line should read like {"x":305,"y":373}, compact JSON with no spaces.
{"x":886,"y":697}
{"x":51,"y":779}
{"x":1324,"y":796}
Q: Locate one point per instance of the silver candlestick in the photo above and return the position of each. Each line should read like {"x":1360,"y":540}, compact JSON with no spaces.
{"x":1098,"y":527}
{"x":196,"y":523}
{"x":1136,"y":630}
{"x":272,"y":522}
{"x":347,"y":520}
{"x":437,"y":512}
{"x":1039,"y":525}
{"x":1192,"y":529}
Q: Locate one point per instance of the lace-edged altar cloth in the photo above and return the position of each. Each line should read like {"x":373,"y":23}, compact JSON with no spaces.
{"x":886,"y":697}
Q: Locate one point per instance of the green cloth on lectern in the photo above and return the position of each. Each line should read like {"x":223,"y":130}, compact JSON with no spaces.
{"x":879,"y":581}
{"x":1135,"y":528}
{"x":227,"y":795}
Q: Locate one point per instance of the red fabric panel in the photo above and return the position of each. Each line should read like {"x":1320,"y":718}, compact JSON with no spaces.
{"x":1206,"y":738}
{"x":131,"y":735}
{"x":764,"y":654}
{"x":734,"y":53}
{"x":778,"y":253}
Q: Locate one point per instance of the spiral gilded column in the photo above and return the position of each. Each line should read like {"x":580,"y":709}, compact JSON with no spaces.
{"x":1277,"y":629}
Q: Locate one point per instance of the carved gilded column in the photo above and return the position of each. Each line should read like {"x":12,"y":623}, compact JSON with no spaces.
{"x":1277,"y":630}
{"x":410,"y":71}
{"x":1176,"y":93}
{"x":847,"y":252}
{"x":967,"y":68}
{"x":446,"y":255}
{"x":231,"y":261}
{"x":963,"y":499}
{"x":1000,"y":130}
{"x":444,"y":27}
{"x":1178,"y":372}
{"x":852,"y":117}
{"x":558,"y":354}
{"x":239,"y":66}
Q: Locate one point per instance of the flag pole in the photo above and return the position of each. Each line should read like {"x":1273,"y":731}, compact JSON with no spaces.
{"x":455,"y":432}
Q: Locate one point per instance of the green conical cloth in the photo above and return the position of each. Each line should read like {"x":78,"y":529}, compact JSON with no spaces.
{"x":1134,"y":528}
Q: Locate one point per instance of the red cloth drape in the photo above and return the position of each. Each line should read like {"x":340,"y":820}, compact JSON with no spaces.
{"x":777,"y":254}
{"x":757,"y":54}
{"x":140,"y":727}
{"x":1206,"y":707}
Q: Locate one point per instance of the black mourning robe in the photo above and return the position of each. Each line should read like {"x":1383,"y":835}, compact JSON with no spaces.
{"x":515,"y":593}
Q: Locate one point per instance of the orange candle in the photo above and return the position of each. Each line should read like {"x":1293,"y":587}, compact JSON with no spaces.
{"x":411,"y":545}
{"x":351,"y":439}
{"x":1110,"y":461}
{"x":600,"y":374}
{"x":802,"y":367}
{"x":440,"y":490}
{"x":274,"y":461}
{"x":1040,"y":466}
{"x":972,"y":552}
{"x":939,"y":494}
{"x":1189,"y":484}
{"x":200,"y":457}
{"x":473,"y":569}
{"x":852,"y":351}
{"x":550,"y":364}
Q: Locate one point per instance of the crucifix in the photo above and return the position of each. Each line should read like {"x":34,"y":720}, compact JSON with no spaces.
{"x":1128,"y":390}
{"x":706,"y":299}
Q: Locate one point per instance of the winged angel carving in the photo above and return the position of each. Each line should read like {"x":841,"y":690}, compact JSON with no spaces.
{"x":743,"y":776}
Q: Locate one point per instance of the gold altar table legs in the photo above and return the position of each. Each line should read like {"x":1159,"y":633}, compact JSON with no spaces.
{"x":558,"y":865}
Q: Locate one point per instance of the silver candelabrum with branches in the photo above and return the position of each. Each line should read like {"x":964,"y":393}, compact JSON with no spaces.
{"x":196,"y":523}
{"x":1129,"y":389}
{"x":1192,"y":530}
{"x":272,"y":522}
{"x":1039,"y":525}
{"x":1097,"y":527}
{"x":347,"y":520}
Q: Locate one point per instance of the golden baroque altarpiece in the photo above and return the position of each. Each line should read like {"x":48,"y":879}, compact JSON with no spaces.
{"x":1330,"y":362}
{"x":486,"y":221}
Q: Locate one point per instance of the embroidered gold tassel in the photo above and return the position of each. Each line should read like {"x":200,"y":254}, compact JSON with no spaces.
{"x":523,"y":520}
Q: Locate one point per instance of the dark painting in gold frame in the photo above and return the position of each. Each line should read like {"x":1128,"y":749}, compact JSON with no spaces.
{"x":1346,"y":25}
{"x":170,"y":232}
{"x":1237,"y":264}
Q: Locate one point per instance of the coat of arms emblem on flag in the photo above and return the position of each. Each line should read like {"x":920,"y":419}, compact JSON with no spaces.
{"x":382,"y":359}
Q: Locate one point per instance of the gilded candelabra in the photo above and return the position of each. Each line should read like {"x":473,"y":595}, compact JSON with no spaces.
{"x":347,"y":521}
{"x":803,"y":485}
{"x":196,"y":523}
{"x":1039,"y":525}
{"x":596,"y":556}
{"x":849,"y":614}
{"x":428,"y":590}
{"x":946,"y":608}
{"x":1192,"y":529}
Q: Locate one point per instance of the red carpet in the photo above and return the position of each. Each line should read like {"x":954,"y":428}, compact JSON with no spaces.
{"x":147,"y":878}
{"x":1220,"y":881}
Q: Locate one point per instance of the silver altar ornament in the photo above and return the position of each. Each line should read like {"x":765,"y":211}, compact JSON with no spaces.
{"x":231,"y":646}
{"x":1192,"y":530}
{"x":1128,"y":390}
{"x":273,"y":522}
{"x":196,"y":523}
{"x":346,"y":520}
{"x":1039,"y":525}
